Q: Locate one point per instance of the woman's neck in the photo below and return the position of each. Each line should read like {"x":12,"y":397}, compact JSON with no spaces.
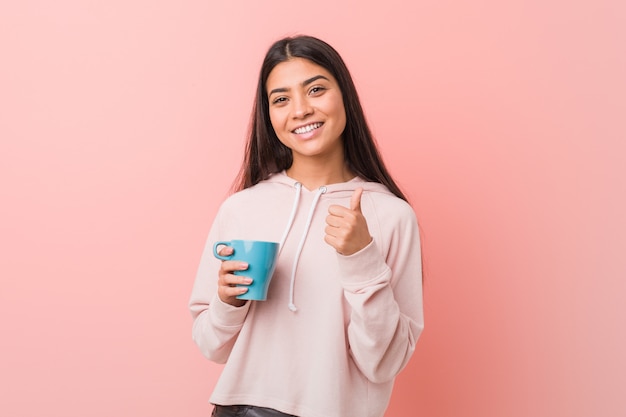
{"x":313,"y":176}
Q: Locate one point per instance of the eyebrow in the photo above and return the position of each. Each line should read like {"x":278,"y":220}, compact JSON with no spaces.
{"x":303,"y":84}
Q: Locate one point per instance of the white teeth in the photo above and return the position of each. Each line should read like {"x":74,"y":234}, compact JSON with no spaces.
{"x":307,"y":128}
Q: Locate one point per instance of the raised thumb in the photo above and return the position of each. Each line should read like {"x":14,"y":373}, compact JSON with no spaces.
{"x":355,"y":201}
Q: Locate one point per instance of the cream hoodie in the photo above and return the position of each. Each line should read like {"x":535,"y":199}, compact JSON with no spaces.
{"x":335,"y":330}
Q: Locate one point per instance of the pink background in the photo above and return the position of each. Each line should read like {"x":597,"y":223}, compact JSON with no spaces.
{"x":122,"y":125}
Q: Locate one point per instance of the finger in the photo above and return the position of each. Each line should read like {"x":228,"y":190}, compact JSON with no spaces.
{"x":232,"y":279}
{"x":234,"y":291}
{"x":226,"y":251}
{"x":229,"y":295}
{"x":230,"y":266}
{"x":329,"y":239}
{"x":337,"y":210}
{"x":355,"y":201}
{"x":332,"y":231}
{"x":334,"y":221}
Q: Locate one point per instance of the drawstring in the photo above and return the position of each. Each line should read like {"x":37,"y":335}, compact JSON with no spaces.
{"x":319,"y":193}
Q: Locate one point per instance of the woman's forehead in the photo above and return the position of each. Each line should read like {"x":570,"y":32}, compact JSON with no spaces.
{"x":293,"y":72}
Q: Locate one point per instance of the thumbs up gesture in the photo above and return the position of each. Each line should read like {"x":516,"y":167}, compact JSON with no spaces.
{"x":346,"y":228}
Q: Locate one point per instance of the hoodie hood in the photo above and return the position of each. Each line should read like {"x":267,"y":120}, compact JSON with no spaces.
{"x":344,"y":189}
{"x":347,"y":187}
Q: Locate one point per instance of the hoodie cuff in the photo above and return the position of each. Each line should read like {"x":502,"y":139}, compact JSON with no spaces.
{"x":225,"y":315}
{"x":363,"y":269}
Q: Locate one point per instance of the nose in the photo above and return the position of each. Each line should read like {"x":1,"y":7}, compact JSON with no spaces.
{"x":301,"y":107}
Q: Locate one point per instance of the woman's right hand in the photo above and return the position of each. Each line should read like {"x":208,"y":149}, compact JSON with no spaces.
{"x":227,"y":288}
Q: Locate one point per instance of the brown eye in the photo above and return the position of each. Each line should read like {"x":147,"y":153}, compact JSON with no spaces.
{"x":279,"y":100}
{"x":316,"y":90}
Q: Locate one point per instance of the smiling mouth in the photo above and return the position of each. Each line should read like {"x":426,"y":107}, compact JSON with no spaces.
{"x":307,"y":128}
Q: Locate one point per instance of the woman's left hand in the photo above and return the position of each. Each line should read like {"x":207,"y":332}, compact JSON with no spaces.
{"x":346,"y":228}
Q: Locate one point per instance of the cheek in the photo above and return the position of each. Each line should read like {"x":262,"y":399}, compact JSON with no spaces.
{"x":340,"y":111}
{"x":337,"y":108}
{"x":277,"y":126}
{"x":275,"y":119}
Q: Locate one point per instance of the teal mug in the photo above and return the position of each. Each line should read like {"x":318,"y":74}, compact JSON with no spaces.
{"x":261,"y":259}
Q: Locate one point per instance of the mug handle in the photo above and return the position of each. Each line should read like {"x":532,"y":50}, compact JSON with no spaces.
{"x":217,"y":255}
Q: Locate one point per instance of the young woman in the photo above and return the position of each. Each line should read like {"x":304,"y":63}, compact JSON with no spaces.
{"x":344,"y":308}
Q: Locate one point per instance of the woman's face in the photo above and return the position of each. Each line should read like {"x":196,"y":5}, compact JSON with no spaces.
{"x":306,"y":109}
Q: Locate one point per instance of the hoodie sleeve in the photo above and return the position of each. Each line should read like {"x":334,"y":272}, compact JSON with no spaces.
{"x":216,"y":324}
{"x":384,"y":290}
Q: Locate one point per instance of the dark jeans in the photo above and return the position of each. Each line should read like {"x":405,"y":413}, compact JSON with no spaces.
{"x":246,"y":411}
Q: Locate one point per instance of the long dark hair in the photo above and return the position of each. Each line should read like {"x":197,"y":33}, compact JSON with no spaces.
{"x":266,"y":155}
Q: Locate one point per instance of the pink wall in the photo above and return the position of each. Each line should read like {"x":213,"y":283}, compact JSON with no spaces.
{"x":121,"y":125}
